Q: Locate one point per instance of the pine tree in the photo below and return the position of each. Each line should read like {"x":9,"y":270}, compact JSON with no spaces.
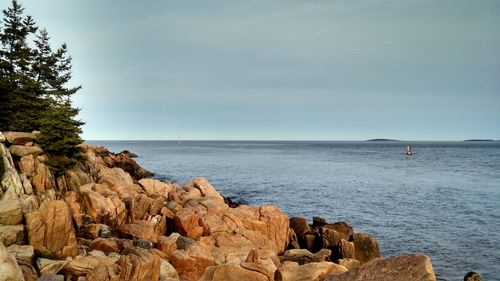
{"x":59,"y":127}
{"x":21,"y":101}
{"x":60,"y":137}
{"x":33,"y":90}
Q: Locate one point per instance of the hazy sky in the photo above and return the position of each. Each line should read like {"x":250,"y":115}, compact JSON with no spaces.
{"x":326,"y":70}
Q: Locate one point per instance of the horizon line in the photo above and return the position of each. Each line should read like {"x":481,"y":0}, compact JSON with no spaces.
{"x":299,"y":140}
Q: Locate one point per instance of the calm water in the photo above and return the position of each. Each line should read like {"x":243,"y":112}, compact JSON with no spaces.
{"x":443,"y":201}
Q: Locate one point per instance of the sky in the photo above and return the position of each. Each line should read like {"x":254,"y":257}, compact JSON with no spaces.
{"x":281,"y":70}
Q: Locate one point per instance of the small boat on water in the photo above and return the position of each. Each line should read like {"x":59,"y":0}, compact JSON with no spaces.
{"x":409,"y":151}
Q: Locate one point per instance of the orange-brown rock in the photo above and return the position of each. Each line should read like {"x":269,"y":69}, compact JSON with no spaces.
{"x":154,"y":187}
{"x":19,"y":138}
{"x":139,"y":264}
{"x":157,"y":205}
{"x":366,"y":247}
{"x":415,"y":267}
{"x":11,"y":212}
{"x":12,"y":234}
{"x":109,"y":210}
{"x":71,"y":198}
{"x":43,"y":179}
{"x":343,"y":228}
{"x":27,"y":165}
{"x":313,"y":271}
{"x":140,"y":229}
{"x":105,"y":245}
{"x":190,"y":267}
{"x":187,"y":223}
{"x":21,"y":150}
{"x":104,"y":272}
{"x":168,"y":244}
{"x":139,"y":207}
{"x":347,"y":249}
{"x":50,"y":230}
{"x":277,"y":225}
{"x":233,"y":272}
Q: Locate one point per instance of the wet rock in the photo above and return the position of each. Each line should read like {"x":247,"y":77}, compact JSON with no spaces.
{"x":301,"y":228}
{"x":21,"y":150}
{"x":314,"y":271}
{"x":473,"y":276}
{"x":415,"y":267}
{"x":343,"y":228}
{"x":19,"y":138}
{"x":9,"y":269}
{"x":129,"y":154}
{"x":11,"y":212}
{"x":12,"y":234}
{"x":319,"y":221}
{"x":366,"y":247}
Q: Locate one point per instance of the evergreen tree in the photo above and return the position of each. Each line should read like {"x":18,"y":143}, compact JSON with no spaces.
{"x":59,"y":127}
{"x":21,"y":99}
{"x":60,"y":137}
{"x":33,"y":89}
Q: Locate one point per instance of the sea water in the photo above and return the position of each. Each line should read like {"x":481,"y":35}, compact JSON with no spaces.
{"x":443,"y":201}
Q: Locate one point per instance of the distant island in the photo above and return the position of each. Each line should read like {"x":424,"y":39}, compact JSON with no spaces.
{"x":479,"y":140}
{"x":382,"y":140}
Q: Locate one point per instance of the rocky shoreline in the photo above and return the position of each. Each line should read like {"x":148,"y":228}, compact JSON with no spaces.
{"x":107,"y":220}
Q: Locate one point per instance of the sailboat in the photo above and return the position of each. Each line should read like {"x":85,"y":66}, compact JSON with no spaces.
{"x":409,"y":151}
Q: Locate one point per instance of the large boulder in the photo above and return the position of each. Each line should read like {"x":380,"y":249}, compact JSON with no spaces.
{"x":156,"y":187}
{"x":415,"y":267}
{"x":9,"y":269}
{"x":21,"y":150}
{"x":2,"y":137}
{"x":277,"y":225}
{"x":11,"y":212}
{"x":23,"y":253}
{"x":313,"y":271}
{"x":365,"y":247}
{"x":140,"y":229}
{"x":187,"y":223}
{"x":232,"y":272}
{"x":50,"y":229}
{"x":11,"y":185}
{"x":109,"y":210}
{"x":139,"y":264}
{"x":20,"y":138}
{"x":12,"y":234}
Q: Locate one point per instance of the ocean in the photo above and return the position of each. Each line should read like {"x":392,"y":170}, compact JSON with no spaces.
{"x":443,"y":201}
